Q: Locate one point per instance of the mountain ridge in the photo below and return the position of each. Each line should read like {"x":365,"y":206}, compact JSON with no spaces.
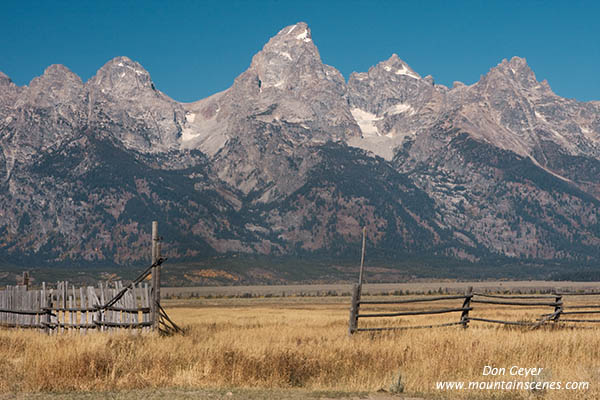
{"x":294,"y":159}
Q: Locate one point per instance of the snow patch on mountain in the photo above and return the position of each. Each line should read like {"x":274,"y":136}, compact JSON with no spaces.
{"x":304,"y":36}
{"x":366,"y":121}
{"x":382,"y":146}
{"x":407,"y":72}
{"x":400,"y":109}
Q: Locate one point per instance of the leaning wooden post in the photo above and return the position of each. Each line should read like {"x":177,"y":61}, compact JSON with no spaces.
{"x":361,"y":273}
{"x":464,"y":317}
{"x":353,"y":322}
{"x":357,"y":289}
{"x":155,"y":277}
{"x":362,"y":257}
{"x":558,"y":308}
{"x":158,"y":267}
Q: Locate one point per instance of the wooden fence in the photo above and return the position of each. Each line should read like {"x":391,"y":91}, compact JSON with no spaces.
{"x":467,"y":308}
{"x":466,"y":305}
{"x":64,"y":307}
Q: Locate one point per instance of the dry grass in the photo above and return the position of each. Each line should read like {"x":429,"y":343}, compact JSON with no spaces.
{"x":377,"y":288}
{"x":298,"y":343}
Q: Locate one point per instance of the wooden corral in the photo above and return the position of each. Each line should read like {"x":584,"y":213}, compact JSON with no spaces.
{"x":64,"y":307}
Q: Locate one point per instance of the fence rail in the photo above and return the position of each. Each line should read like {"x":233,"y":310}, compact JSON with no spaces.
{"x":469,"y":306}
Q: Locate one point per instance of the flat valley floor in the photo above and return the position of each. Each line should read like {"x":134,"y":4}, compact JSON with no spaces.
{"x":298,"y":347}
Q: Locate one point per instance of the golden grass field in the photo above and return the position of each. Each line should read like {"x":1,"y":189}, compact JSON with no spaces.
{"x":282,"y":345}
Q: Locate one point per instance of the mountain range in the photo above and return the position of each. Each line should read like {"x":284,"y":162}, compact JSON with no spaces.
{"x":293,"y":160}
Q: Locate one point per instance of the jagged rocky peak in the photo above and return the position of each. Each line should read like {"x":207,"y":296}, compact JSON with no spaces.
{"x":288,"y":83}
{"x":390,"y":70}
{"x":516,"y":70}
{"x":290,"y":60}
{"x":57,"y":72}
{"x":122,"y":77}
{"x":391,"y":87}
{"x":394,"y":65}
{"x":391,"y":103}
{"x":5,"y":79}
{"x":8,"y":91}
{"x":57,"y":85}
{"x":291,"y":36}
{"x":153,"y":121}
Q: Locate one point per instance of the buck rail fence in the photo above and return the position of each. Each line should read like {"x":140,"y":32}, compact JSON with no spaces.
{"x":561,"y":304}
{"x":465,"y":304}
{"x":64,"y":307}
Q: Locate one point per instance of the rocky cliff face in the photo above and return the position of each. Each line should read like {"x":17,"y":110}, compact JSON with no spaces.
{"x":285,"y":103}
{"x":122,"y":101}
{"x":291,"y":159}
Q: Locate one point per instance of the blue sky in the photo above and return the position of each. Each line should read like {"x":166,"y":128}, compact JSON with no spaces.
{"x":193,"y":49}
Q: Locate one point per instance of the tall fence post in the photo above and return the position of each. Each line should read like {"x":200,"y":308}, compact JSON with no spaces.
{"x":353,"y":322}
{"x":158,"y":271}
{"x":464,"y":317}
{"x":558,"y":309}
{"x":362,"y":256}
{"x":357,"y":288}
{"x":155,"y":277}
{"x":46,"y":304}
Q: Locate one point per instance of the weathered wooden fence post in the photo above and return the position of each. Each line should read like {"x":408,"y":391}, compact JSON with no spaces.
{"x":353,"y":322}
{"x":158,"y":270}
{"x":464,"y":317}
{"x":155,"y":276}
{"x":357,"y":289}
{"x":558,"y":309}
{"x":362,"y":256}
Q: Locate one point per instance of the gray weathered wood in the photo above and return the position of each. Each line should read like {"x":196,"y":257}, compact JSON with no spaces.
{"x":579,"y":312}
{"x":516,"y":303}
{"x":420,"y":312}
{"x":154,"y":252}
{"x":353,"y":321}
{"x":399,"y":328}
{"x":464,"y":317}
{"x":497,"y":321}
{"x":362,"y":255}
{"x":579,"y":294}
{"x":558,"y":309}
{"x":155,"y":283}
{"x":423,"y":300}
{"x":70,"y":313}
{"x":82,"y":314}
{"x":497,"y":296}
{"x":579,"y":320}
{"x":124,"y":324}
{"x":146,"y":294}
{"x":578,"y":307}
{"x":102,"y":301}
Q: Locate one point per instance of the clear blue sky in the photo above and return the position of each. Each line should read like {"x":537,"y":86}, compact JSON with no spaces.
{"x":193,"y":49}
